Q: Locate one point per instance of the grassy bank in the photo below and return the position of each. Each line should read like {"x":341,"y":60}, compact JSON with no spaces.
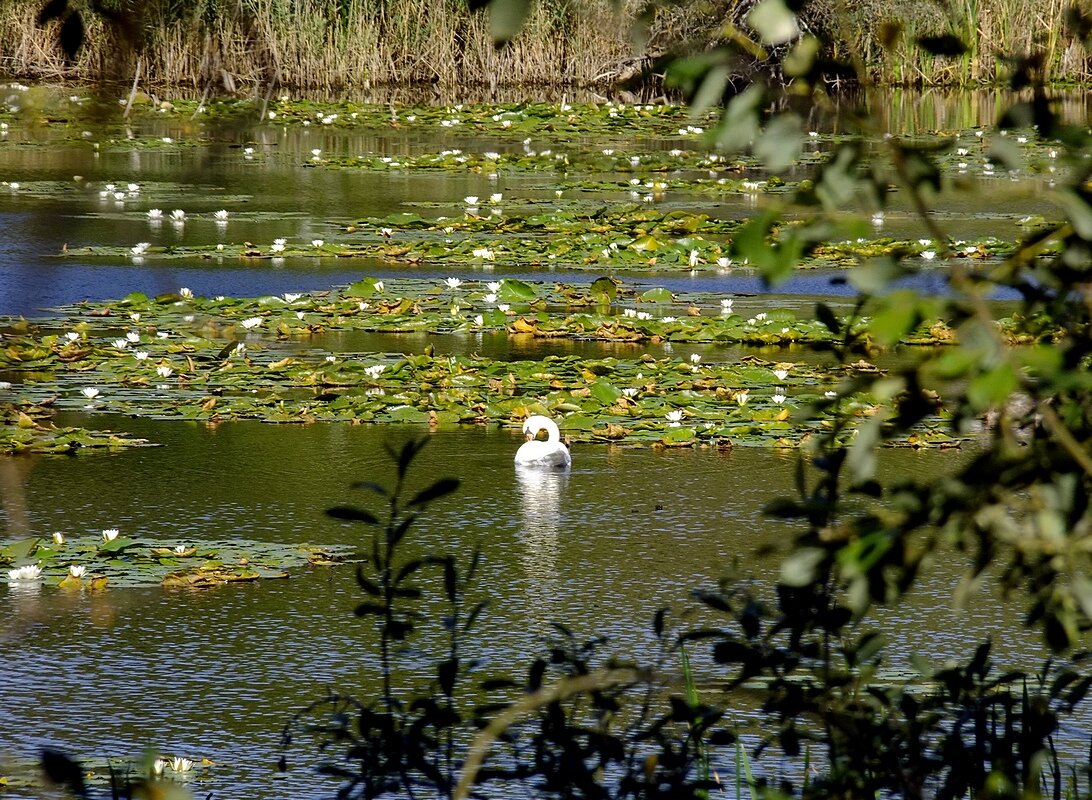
{"x":311,"y":44}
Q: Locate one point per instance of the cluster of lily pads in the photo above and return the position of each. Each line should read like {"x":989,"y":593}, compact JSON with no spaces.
{"x":586,"y":236}
{"x":190,"y":357}
{"x":111,"y":559}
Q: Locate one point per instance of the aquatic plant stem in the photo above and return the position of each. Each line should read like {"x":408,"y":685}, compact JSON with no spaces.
{"x":563,"y":689}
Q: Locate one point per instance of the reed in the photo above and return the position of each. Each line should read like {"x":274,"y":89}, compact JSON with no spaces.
{"x":315,"y":45}
{"x":310,"y":44}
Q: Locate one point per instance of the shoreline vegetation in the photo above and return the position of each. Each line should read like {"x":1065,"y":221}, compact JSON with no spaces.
{"x":265,"y":45}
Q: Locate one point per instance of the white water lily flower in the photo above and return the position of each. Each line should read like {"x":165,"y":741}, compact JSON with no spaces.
{"x":72,"y":336}
{"x":291,"y":297}
{"x":503,"y":307}
{"x":77,"y":570}
{"x":331,"y":359}
{"x":162,"y":335}
{"x":5,"y":385}
{"x":761,"y":316}
{"x":494,"y":286}
{"x":164,"y":371}
{"x":221,"y":215}
{"x":90,"y":392}
{"x":31,"y":572}
{"x":133,"y":336}
{"x":928,"y":255}
{"x":139,"y":248}
{"x":693,"y":261}
{"x":185,"y":292}
{"x":830,"y":395}
{"x":674,"y":417}
{"x":453,"y":283}
{"x":781,"y":374}
{"x":724,"y":262}
{"x":317,"y":242}
{"x":316,"y":152}
{"x":180,"y":549}
{"x":628,"y":312}
{"x":160,"y":763}
{"x":251,"y":322}
{"x":249,"y":151}
{"x":178,"y":215}
{"x":181,"y":764}
{"x":109,"y":534}
{"x":471,"y":200}
{"x":630,"y":391}
{"x":741,"y":397}
{"x":483,"y":253}
{"x":121,"y":344}
{"x":496,"y":197}
{"x":277,"y":247}
{"x":778,"y":398}
{"x":378,"y":286}
{"x":58,"y":537}
{"x":695,"y":357}
{"x":490,"y":298}
{"x":140,"y":355}
{"x":386,"y":232}
{"x":375,"y":370}
{"x":644,"y":315}
{"x":299,"y":315}
{"x":479,"y":320}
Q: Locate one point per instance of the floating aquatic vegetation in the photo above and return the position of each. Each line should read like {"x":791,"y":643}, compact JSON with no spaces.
{"x":89,"y":561}
{"x":27,"y":428}
{"x":212,"y":378}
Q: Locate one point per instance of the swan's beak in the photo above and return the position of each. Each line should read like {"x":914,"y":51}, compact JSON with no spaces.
{"x":528,"y":437}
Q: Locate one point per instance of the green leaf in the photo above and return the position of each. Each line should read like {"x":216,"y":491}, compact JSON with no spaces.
{"x":1077,"y":210}
{"x":442,"y":487}
{"x":801,"y":58}
{"x":876,"y":275}
{"x":739,"y":126}
{"x":896,"y":318}
{"x":657,"y":295}
{"x":515,"y":290}
{"x":362,"y":288}
{"x":991,"y":389}
{"x":116,"y":545}
{"x":711,"y":90}
{"x":779,"y":145}
{"x":19,"y":550}
{"x":603,"y":289}
{"x":801,"y":567}
{"x":605,"y":393}
{"x":774,"y":22}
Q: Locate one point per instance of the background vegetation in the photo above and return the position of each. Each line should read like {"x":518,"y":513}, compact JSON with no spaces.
{"x":239,"y":45}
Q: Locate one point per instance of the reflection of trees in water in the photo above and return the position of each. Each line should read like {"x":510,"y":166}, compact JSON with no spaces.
{"x":13,"y":477}
{"x":540,"y":492}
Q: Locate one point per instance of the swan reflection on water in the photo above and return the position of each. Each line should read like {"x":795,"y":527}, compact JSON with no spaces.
{"x":540,"y":498}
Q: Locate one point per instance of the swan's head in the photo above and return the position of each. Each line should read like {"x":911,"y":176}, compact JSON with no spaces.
{"x":533,"y":424}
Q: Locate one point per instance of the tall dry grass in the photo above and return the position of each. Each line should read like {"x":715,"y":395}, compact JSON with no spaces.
{"x":352,"y":43}
{"x":333,"y":45}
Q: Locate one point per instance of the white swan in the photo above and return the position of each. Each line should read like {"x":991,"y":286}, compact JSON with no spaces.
{"x":535,"y":453}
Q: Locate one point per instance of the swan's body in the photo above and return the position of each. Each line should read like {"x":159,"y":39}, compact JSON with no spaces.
{"x":535,"y":453}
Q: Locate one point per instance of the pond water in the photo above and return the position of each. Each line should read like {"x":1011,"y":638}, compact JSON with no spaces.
{"x":215,"y":674}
